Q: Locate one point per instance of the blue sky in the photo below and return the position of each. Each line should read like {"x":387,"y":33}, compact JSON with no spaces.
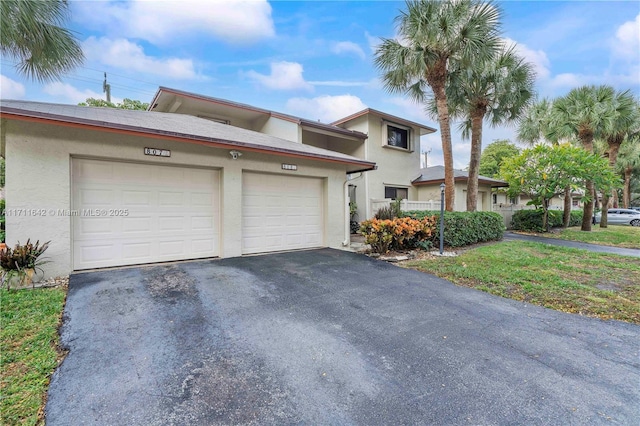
{"x":315,"y":59}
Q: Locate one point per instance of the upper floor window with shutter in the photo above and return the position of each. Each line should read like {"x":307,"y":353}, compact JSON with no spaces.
{"x":397,"y":136}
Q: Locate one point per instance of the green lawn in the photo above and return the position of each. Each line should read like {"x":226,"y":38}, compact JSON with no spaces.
{"x":570,"y":280}
{"x":613,"y":235}
{"x":28,"y":339}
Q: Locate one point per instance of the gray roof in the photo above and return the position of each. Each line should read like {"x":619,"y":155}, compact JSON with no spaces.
{"x":292,"y":118}
{"x":435,"y":174}
{"x":179,"y":127}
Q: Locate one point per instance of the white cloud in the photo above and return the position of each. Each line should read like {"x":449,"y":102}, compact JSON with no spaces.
{"x":627,"y":42}
{"x":160,"y":22}
{"x":284,"y":76}
{"x":11,"y":89}
{"x":66,"y":93}
{"x":374,"y":42}
{"x":538,"y":58}
{"x":325,"y":108}
{"x":410,"y":109}
{"x":123,"y":54}
{"x":348,"y":47}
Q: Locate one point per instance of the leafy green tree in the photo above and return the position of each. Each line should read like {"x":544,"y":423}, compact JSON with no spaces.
{"x":536,"y":126}
{"x":583,"y":113}
{"x":542,"y":172}
{"x":498,"y":90}
{"x":125,"y":104}
{"x":432,"y":34}
{"x":494,"y":155}
{"x":32,"y":33}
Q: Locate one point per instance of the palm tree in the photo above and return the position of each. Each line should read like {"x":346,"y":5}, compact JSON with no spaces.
{"x":431,"y":34}
{"x":535,"y":127}
{"x":624,"y":111}
{"x":33,"y":35}
{"x":629,"y":164}
{"x":499,"y":89}
{"x":583,"y":113}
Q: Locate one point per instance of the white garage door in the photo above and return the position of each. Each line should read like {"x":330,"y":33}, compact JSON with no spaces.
{"x":281,"y":212}
{"x":129,"y":214}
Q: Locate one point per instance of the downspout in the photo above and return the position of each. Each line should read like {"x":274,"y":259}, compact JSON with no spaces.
{"x":347,"y":215}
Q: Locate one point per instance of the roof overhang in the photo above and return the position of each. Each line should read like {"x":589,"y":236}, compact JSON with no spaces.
{"x":492,"y":183}
{"x":424,"y":130}
{"x":18,"y":114}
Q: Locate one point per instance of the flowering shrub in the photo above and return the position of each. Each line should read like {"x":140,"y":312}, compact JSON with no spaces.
{"x":398,"y":234}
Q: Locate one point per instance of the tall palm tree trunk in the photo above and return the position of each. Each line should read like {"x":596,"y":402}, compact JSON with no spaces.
{"x":447,"y":151}
{"x":614,"y":148}
{"x":566,"y":213}
{"x":474,"y":159}
{"x":626,"y":190}
{"x":587,"y":142}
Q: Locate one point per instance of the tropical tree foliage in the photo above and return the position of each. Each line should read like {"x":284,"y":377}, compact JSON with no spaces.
{"x":624,"y":114}
{"x":544,"y":171}
{"x":125,"y":104}
{"x":498,"y":90}
{"x":494,"y":155}
{"x":536,"y":126}
{"x":583,"y":113}
{"x":628,"y":165}
{"x":33,"y":33}
{"x":431,"y":35}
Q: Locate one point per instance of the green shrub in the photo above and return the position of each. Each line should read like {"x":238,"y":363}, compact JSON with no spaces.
{"x":398,"y":234}
{"x":385,"y":213}
{"x":531,"y":220}
{"x":464,"y":228}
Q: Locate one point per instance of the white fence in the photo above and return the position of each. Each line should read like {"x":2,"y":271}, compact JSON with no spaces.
{"x":405,"y":205}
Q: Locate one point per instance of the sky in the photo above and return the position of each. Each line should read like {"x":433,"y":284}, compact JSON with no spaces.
{"x":314,"y":59}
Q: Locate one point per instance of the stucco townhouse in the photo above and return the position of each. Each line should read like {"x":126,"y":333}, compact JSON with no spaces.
{"x":194,"y":177}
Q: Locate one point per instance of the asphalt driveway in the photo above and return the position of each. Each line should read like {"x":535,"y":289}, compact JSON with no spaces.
{"x":329,"y":337}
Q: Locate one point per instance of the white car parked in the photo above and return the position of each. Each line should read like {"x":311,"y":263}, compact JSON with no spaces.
{"x":621,"y":217}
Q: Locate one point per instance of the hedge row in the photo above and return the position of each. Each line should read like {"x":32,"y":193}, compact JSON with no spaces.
{"x":531,"y":220}
{"x":464,"y":228}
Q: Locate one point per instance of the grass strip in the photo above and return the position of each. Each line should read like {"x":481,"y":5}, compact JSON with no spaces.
{"x":29,"y":321}
{"x":570,"y":280}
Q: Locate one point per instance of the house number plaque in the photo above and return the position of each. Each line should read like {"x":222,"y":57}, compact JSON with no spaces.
{"x":157,"y":152}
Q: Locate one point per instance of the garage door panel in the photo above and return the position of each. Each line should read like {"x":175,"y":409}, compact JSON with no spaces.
{"x":163,"y":221}
{"x":136,"y":251}
{"x":91,"y":198}
{"x":281,"y":212}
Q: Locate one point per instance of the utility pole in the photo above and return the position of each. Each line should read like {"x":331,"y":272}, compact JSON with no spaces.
{"x":106,"y":88}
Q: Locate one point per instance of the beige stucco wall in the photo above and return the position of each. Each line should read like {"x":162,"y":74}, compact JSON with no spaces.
{"x":432,"y":192}
{"x":280,"y":128}
{"x":396,"y":167}
{"x":38,"y":176}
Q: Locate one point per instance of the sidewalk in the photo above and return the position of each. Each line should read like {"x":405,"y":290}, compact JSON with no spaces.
{"x":510,"y":236}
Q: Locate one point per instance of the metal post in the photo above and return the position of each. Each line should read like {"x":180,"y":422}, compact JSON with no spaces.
{"x":441,"y":218}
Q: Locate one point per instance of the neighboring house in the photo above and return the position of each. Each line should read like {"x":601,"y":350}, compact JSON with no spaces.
{"x":428,"y":187}
{"x":114,"y":187}
{"x":501,"y":199}
{"x":393,"y":143}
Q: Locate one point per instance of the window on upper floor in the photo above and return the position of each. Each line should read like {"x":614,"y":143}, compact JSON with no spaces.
{"x":495,"y":198}
{"x":513,"y":200}
{"x":398,"y":136}
{"x":395,"y":192}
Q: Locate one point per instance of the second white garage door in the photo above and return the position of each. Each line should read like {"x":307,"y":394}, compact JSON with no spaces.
{"x":281,"y":212}
{"x":131,"y":213}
